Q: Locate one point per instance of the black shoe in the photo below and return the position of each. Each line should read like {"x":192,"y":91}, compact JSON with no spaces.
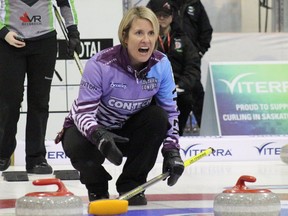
{"x":41,"y":168}
{"x":96,"y":196}
{"x":137,"y":200}
{"x":4,"y":164}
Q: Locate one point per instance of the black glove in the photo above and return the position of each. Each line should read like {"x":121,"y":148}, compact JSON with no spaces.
{"x":74,"y":41}
{"x":173,"y":164}
{"x":105,"y":142}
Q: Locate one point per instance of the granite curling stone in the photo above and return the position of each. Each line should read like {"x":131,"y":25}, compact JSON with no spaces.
{"x":61,"y":202}
{"x":242,"y":201}
{"x":284,"y":154}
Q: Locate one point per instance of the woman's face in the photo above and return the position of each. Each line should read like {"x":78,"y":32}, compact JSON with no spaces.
{"x":140,"y":41}
{"x":164,"y":20}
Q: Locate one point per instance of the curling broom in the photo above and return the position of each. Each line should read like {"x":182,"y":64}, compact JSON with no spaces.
{"x":120,"y":205}
{"x":65,"y":33}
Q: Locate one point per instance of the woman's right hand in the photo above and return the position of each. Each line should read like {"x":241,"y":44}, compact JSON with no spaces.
{"x":10,"y":38}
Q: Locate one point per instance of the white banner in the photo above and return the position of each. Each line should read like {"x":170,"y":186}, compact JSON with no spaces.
{"x":235,"y":148}
{"x":232,"y":148}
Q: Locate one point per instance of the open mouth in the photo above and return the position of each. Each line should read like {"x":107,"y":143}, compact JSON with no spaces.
{"x":143,"y":50}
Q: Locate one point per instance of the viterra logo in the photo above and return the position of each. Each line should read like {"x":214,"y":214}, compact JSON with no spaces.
{"x":268,"y":149}
{"x":36,"y":19}
{"x":260,"y":87}
{"x":192,"y":151}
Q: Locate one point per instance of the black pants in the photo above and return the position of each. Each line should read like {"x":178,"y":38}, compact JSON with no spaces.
{"x":146,"y":131}
{"x":191,"y":102}
{"x":36,"y":61}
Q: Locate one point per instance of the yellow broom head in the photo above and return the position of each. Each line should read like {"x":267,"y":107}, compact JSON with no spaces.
{"x":108,"y":207}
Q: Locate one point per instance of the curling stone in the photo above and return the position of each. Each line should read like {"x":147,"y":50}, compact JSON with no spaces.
{"x":242,"y":201}
{"x":61,"y":202}
{"x":284,"y":154}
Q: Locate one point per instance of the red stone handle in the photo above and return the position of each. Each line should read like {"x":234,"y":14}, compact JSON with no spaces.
{"x":240,"y":186}
{"x":62,"y":190}
{"x":241,"y":181}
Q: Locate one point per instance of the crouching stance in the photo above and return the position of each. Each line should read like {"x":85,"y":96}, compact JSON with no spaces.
{"x":126,"y":107}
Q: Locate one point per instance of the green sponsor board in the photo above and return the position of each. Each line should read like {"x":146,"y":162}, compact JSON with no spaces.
{"x":249,"y":98}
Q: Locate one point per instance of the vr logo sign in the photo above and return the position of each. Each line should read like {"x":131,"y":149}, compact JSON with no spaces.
{"x":34,"y":19}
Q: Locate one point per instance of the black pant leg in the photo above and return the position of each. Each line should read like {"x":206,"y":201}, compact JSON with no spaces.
{"x":41,"y":59}
{"x":87,"y":159}
{"x":146,"y":131}
{"x":198,"y":102}
{"x":12,"y":75}
{"x":184,"y":104}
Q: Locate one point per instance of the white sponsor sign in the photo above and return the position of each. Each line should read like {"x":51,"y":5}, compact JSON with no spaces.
{"x":55,"y":154}
{"x":235,"y":148}
{"x":232,"y":148}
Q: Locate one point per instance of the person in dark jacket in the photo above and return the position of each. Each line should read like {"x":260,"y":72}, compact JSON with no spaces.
{"x":195,"y":23}
{"x":28,"y":48}
{"x":183,"y":56}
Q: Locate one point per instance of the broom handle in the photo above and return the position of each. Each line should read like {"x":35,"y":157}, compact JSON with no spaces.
{"x":163,"y":176}
{"x":65,"y":33}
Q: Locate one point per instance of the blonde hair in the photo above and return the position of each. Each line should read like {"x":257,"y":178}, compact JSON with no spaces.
{"x":141,"y":12}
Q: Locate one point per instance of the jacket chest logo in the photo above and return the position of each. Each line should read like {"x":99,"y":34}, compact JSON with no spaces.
{"x":191,"y":10}
{"x":149,"y":84}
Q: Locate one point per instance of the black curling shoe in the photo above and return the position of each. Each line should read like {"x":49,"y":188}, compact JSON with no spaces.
{"x":4,"y":164}
{"x":96,"y":196}
{"x":137,"y":200}
{"x":41,"y":168}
